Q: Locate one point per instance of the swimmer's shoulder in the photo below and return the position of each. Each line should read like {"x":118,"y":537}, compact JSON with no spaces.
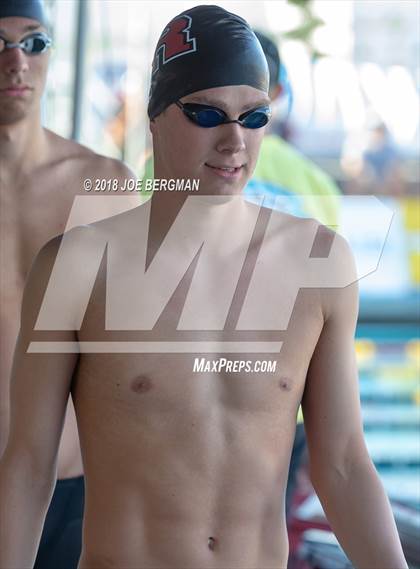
{"x":293,"y":226}
{"x":121,"y":226}
{"x":65,"y":268}
{"x":77,"y":244}
{"x":323,"y":238}
{"x":297,"y":230}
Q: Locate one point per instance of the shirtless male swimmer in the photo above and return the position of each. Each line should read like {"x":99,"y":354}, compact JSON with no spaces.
{"x":187,"y":469}
{"x":40,"y":174}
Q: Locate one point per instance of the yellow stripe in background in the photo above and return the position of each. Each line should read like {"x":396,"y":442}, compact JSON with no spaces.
{"x":414,"y":265}
{"x":411,"y":210}
{"x":365,"y":350}
{"x":412,"y":350}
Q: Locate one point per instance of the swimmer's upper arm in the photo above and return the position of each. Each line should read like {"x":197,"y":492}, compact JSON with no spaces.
{"x":341,"y":470}
{"x":331,"y":403}
{"x":40,"y":382}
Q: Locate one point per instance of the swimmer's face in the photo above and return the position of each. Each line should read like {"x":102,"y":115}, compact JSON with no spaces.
{"x":223,"y":158}
{"x":22,"y":76}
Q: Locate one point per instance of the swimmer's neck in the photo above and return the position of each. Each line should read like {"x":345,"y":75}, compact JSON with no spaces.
{"x":165,"y":206}
{"x":216,"y":212}
{"x":23,"y":145}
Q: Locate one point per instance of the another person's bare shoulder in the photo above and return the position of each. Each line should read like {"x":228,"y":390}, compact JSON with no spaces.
{"x":81,"y":163}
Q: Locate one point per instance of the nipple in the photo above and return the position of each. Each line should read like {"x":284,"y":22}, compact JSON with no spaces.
{"x":141,"y":384}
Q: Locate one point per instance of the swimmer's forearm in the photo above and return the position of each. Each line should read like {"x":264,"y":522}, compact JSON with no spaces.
{"x":23,"y":505}
{"x":360,"y":515}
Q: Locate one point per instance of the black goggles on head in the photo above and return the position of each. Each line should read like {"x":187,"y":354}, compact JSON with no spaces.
{"x":31,"y":45}
{"x":209,"y":117}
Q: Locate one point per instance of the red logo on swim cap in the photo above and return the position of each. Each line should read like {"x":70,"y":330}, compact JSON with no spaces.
{"x":174,"y":42}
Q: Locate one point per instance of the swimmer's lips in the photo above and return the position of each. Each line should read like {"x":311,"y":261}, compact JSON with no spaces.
{"x":15,"y":90}
{"x":227,"y":172}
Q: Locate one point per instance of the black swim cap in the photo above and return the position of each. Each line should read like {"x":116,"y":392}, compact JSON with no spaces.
{"x":201,"y":48}
{"x":33,"y":9}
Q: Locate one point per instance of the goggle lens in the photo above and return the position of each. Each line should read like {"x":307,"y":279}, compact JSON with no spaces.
{"x":208,"y":118}
{"x":31,"y":45}
{"x":35,"y":44}
{"x":256,"y":119}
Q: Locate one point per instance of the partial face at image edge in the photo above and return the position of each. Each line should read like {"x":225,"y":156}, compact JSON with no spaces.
{"x":23,"y":68}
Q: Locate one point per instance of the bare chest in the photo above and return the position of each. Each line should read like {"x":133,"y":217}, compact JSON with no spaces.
{"x":33,"y":212}
{"x":152,"y":373}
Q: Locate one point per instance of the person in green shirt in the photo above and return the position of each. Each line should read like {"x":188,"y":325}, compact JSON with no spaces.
{"x":288,"y":180}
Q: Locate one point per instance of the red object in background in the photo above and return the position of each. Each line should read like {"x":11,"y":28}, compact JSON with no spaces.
{"x":297,"y":527}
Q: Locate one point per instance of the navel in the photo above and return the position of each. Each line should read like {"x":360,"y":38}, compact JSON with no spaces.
{"x":141,"y":384}
{"x":212,"y":543}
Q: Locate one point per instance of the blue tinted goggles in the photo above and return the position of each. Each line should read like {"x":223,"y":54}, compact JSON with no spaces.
{"x":207,"y":116}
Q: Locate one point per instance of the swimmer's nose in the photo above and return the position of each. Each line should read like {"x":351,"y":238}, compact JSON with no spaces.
{"x":16,"y":61}
{"x":232,"y":138}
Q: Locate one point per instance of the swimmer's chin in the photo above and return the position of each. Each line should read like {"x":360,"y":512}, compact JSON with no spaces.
{"x":226,"y":192}
{"x":216,"y":200}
